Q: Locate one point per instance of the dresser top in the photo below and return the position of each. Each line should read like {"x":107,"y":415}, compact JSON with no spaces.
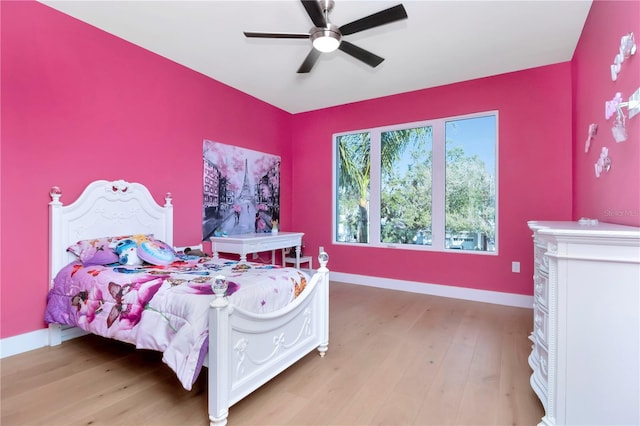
{"x":601,"y":229}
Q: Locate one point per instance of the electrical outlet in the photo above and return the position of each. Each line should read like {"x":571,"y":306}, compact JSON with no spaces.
{"x":515,"y":267}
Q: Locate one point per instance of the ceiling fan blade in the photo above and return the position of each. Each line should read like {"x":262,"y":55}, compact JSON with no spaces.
{"x":315,"y":13}
{"x":395,"y":13}
{"x":309,"y":61}
{"x":361,"y":54}
{"x":275,"y":35}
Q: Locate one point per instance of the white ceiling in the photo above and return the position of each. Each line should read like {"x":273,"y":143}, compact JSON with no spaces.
{"x":441,"y":42}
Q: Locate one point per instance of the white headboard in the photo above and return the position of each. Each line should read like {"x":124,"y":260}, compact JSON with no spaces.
{"x":105,"y":208}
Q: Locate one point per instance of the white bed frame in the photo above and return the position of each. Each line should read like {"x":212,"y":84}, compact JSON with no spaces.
{"x":246,"y":350}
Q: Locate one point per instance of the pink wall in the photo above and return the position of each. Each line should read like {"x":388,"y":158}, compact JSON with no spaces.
{"x":615,"y":196}
{"x":78,"y":105}
{"x":534,"y":174}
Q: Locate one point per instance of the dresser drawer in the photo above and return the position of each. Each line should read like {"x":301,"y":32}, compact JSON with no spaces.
{"x":538,"y":253}
{"x":543,"y":360}
{"x":539,"y":386}
{"x":533,"y":356}
{"x":541,"y":325}
{"x":541,"y":289}
{"x":538,"y":361}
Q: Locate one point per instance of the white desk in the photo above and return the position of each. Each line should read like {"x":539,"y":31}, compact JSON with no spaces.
{"x":255,"y":243}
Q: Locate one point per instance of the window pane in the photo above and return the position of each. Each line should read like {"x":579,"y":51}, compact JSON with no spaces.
{"x":353,"y":177}
{"x":405,"y":186}
{"x":470,"y":186}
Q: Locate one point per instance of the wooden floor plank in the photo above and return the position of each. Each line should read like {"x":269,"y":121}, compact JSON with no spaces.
{"x":517,"y":403}
{"x":479,"y":401}
{"x":394,"y":358}
{"x":442,"y":402}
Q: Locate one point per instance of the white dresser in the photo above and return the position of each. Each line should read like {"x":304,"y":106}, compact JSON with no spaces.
{"x":586,"y":333}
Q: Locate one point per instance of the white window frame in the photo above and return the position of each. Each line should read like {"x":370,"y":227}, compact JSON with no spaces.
{"x":437,"y":190}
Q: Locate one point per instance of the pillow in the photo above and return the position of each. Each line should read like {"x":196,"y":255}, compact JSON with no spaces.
{"x":156,"y":252}
{"x":100,"y":251}
{"x":94,"y":252}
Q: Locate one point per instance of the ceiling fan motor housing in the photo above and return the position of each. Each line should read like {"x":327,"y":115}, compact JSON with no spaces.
{"x":331,"y":31}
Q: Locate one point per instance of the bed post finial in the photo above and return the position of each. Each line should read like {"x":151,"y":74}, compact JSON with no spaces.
{"x":323,"y":258}
{"x":219,"y":287}
{"x":55,"y":194}
{"x":167,"y":199}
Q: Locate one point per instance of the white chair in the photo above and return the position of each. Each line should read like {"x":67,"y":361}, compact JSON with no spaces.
{"x":296,"y":262}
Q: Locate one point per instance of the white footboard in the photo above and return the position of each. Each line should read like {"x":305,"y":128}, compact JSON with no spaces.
{"x":247,"y":350}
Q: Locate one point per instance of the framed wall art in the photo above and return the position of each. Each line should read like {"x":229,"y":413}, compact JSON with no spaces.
{"x":241,"y":190}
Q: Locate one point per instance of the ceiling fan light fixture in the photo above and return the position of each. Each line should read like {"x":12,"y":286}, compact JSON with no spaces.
{"x":326,"y":39}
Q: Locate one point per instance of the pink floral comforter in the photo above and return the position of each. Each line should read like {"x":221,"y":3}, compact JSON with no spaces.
{"x":165,"y":308}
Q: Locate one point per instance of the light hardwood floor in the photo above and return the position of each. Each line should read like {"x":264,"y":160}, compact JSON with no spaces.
{"x":394,"y":358}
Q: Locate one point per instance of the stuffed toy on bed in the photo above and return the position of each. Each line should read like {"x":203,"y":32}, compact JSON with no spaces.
{"x":137,"y":250}
{"x":127,"y":251}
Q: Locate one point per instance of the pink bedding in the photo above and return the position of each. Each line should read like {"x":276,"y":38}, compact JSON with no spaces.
{"x":165,"y":308}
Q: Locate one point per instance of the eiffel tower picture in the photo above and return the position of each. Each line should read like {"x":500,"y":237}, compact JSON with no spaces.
{"x":245,"y":193}
{"x":237,"y":201}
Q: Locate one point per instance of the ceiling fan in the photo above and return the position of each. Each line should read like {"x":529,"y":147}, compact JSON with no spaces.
{"x":327,"y":37}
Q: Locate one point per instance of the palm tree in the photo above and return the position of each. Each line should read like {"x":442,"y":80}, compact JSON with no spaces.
{"x":354,"y":169}
{"x":354,"y":175}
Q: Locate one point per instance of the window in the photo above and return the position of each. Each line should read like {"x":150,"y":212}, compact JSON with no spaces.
{"x":428,"y":185}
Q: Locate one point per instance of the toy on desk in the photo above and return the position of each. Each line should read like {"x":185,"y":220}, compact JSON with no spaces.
{"x":219,"y":233}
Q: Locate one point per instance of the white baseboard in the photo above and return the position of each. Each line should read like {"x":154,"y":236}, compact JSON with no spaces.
{"x":485,"y":296}
{"x":52,"y":336}
{"x":24,"y":342}
{"x":40,"y":338}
